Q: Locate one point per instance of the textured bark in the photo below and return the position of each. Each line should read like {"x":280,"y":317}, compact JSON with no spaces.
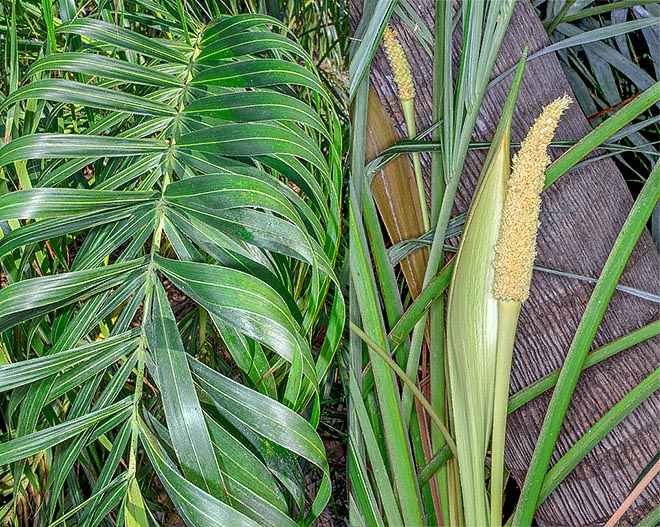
{"x":581,"y":217}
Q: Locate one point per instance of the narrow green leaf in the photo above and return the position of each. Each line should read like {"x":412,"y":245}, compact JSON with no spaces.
{"x":104,"y":479}
{"x":248,"y":43}
{"x":26,"y":446}
{"x":598,"y":431}
{"x":105,"y":67}
{"x":258,"y":74}
{"x":270,"y":419}
{"x":185,"y":421}
{"x":582,"y":340}
{"x":59,"y":146}
{"x":237,"y":24}
{"x":29,"y":371}
{"x":244,"y":466}
{"x":586,"y":37}
{"x":366,"y":39}
{"x":244,"y":302}
{"x":47,"y":229}
{"x":546,"y":382}
{"x":601,"y":133}
{"x":124,"y":39}
{"x":61,"y":90}
{"x":377,"y":463}
{"x":253,"y":139}
{"x":28,"y":299}
{"x":256,"y":106}
{"x":198,"y":508}
{"x":38,"y":203}
{"x":135,"y":514}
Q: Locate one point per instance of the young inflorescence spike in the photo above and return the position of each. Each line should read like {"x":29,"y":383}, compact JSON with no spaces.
{"x":516,"y":247}
{"x":396,"y":57}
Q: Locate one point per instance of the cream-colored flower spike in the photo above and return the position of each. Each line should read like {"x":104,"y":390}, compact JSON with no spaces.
{"x":396,"y":57}
{"x":516,"y":247}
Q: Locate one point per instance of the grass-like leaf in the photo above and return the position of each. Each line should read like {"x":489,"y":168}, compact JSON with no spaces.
{"x":582,"y":340}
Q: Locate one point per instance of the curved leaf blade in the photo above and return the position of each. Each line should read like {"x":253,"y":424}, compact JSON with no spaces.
{"x":105,"y":67}
{"x":268,"y":418}
{"x":248,"y":43}
{"x":30,"y":298}
{"x":199,"y":508}
{"x":65,"y":91}
{"x":61,"y":146}
{"x":256,"y":106}
{"x":39,"y":203}
{"x":31,"y":370}
{"x":183,"y":412}
{"x":253,"y":139}
{"x":259,"y":73}
{"x":124,"y":39}
{"x":27,"y":446}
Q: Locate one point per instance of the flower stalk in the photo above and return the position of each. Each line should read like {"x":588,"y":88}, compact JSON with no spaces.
{"x":472,"y":320}
{"x":514,"y":260}
{"x":398,"y":61}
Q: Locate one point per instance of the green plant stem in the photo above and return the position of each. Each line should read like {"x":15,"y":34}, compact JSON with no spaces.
{"x":409,"y":382}
{"x":397,"y":446}
{"x":363,"y":443}
{"x":507,"y":312}
{"x":410,"y":318}
{"x":552,"y":24}
{"x":422,"y":304}
{"x":408,"y":107}
{"x":384,"y":271}
{"x":437,"y":351}
{"x":437,"y":381}
{"x":412,"y":365}
{"x":438,"y":460}
{"x":584,"y":336}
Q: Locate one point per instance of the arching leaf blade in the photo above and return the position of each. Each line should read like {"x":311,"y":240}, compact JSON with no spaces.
{"x":104,"y":67}
{"x":30,"y":298}
{"x":256,"y":106}
{"x":253,"y":139}
{"x":123,"y":38}
{"x":89,"y":95}
{"x":61,"y":146}
{"x":39,"y":203}
{"x":26,"y":446}
{"x":248,"y":43}
{"x":268,"y":418}
{"x":199,"y":508}
{"x":183,"y":412}
{"x":31,"y":370}
{"x":259,"y":73}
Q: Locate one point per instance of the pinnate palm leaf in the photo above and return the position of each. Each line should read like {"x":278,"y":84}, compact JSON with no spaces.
{"x":201,"y":162}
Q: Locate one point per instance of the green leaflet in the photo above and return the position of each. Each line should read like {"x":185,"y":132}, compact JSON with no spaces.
{"x":123,"y":39}
{"x":199,"y":508}
{"x":24,"y":300}
{"x":270,"y":419}
{"x":88,"y":95}
{"x":191,"y":441}
{"x":26,"y":446}
{"x":102,"y":66}
{"x":258,"y":74}
{"x":29,"y":371}
{"x":60,"y":146}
